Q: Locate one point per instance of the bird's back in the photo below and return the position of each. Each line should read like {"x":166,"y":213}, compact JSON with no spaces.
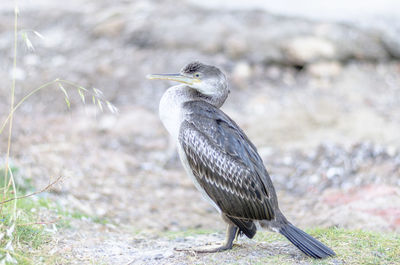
{"x":225,"y":163}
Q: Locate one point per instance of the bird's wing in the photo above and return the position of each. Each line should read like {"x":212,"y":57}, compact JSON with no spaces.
{"x":225,"y":163}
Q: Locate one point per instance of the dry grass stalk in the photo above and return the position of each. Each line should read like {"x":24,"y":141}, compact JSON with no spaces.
{"x":34,"y":193}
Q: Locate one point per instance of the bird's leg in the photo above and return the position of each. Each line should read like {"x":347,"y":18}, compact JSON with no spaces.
{"x":231,"y":233}
{"x":237,"y":235}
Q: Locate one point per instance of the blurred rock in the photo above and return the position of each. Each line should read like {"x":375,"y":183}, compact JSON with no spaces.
{"x":387,"y":31}
{"x":110,"y":28}
{"x":352,"y":42}
{"x":108,"y":22}
{"x":107,"y":122}
{"x":241,"y":73}
{"x":377,"y":203}
{"x":254,"y":35}
{"x":31,"y":59}
{"x":324,"y":69}
{"x":19,"y":74}
{"x":333,"y":167}
{"x":236,"y":47}
{"x":302,"y":50}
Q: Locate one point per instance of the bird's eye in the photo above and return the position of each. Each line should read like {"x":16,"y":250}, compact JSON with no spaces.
{"x":197,"y":75}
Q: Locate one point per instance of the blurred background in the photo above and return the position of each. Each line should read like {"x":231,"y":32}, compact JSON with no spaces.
{"x":315,"y":85}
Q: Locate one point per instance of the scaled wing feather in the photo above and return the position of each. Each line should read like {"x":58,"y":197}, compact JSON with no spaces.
{"x":225,"y":163}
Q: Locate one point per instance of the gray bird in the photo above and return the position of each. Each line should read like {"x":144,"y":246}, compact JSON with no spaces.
{"x":221,"y":160}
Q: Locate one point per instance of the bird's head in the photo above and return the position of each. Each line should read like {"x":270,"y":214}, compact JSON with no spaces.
{"x":206,"y":79}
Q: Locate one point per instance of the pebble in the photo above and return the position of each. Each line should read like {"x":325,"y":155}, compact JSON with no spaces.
{"x":19,"y":74}
{"x":168,"y":254}
{"x":241,"y":73}
{"x":325,"y":69}
{"x":301,"y":50}
{"x":343,"y":167}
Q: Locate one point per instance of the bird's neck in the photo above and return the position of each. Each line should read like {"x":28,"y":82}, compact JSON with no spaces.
{"x":183,"y":93}
{"x":170,"y":108}
{"x":216,"y":100}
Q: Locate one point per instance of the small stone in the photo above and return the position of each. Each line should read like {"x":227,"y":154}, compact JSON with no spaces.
{"x":287,"y":160}
{"x":107,"y":123}
{"x":334,"y":172}
{"x":302,"y":50}
{"x":104,"y":69}
{"x":236,"y":47}
{"x":58,"y":61}
{"x":20,"y":73}
{"x":314,"y":179}
{"x":158,"y":256}
{"x":112,"y":27}
{"x":241,"y":72}
{"x":325,"y":69}
{"x":391,"y":150}
{"x":168,"y":254}
{"x":273,"y":72}
{"x":31,"y":59}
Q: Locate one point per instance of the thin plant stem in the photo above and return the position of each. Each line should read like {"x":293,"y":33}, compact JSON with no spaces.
{"x":15,"y":195}
{"x":6,"y":168}
{"x":34,"y":193}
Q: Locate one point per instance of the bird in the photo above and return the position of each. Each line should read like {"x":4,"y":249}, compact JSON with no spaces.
{"x":221,"y":160}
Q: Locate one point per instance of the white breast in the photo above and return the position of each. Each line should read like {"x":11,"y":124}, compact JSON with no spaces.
{"x":171,"y":116}
{"x":170,"y":110}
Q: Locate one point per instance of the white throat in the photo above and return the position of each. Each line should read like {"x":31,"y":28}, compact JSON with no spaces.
{"x":170,"y":108}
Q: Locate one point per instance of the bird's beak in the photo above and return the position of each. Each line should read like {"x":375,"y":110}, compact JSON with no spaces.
{"x":174,"y":77}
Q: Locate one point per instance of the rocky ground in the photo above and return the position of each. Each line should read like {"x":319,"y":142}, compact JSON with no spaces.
{"x":319,"y":99}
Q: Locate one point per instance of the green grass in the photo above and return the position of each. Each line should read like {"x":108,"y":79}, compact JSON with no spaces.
{"x":27,"y":237}
{"x":362,"y":247}
{"x":23,"y":185}
{"x":351,"y":247}
{"x":30,"y":240}
{"x":68,"y":214}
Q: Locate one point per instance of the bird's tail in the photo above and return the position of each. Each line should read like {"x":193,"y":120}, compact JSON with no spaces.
{"x":306,"y":243}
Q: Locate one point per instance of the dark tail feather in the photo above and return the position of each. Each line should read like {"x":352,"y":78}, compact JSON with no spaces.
{"x":306,"y":243}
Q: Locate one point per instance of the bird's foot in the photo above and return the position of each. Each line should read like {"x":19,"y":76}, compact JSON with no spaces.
{"x":231,"y":233}
{"x":205,"y":249}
